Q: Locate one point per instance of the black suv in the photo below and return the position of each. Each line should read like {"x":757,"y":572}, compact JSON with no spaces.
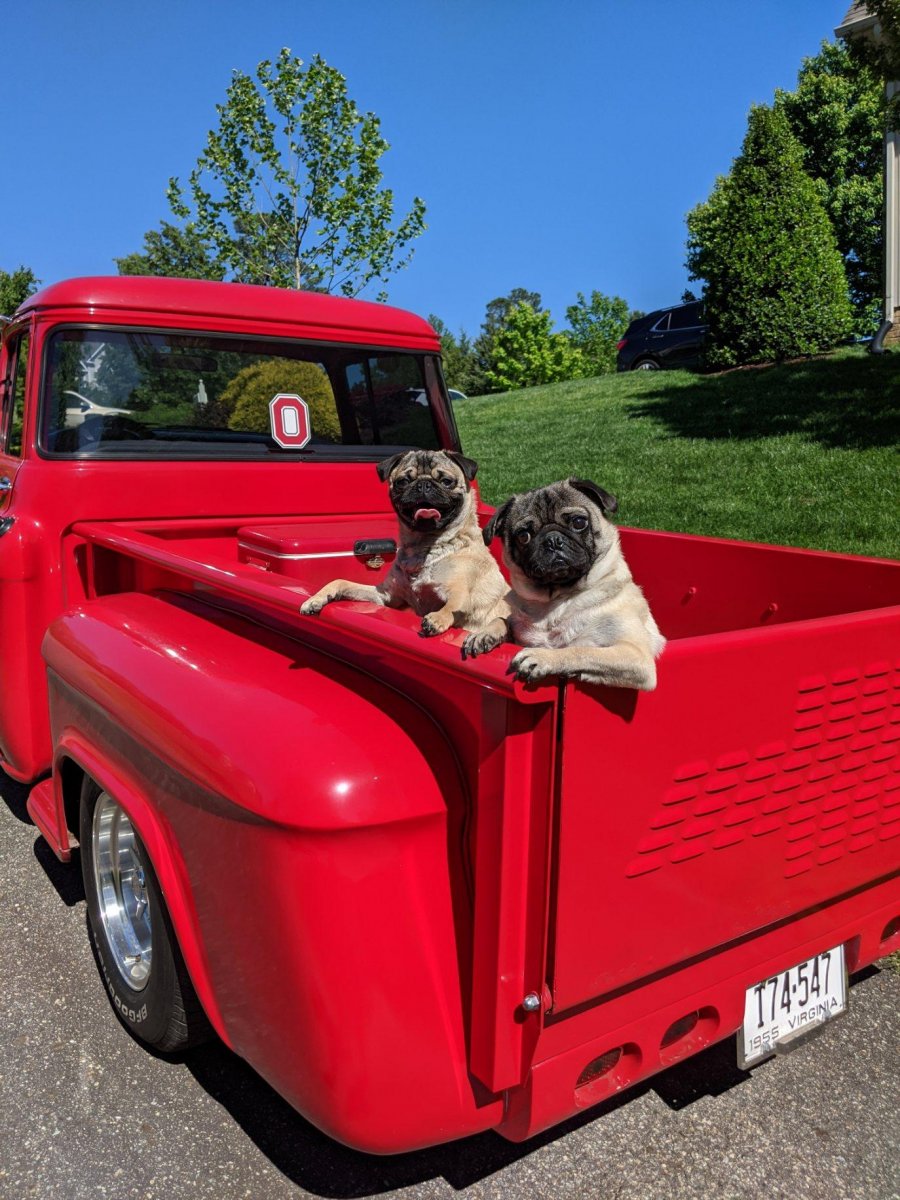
{"x":669,"y":337}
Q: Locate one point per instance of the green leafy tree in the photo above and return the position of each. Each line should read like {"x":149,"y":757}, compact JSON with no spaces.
{"x":837,"y":114}
{"x":16,"y":286}
{"x":288,"y":190}
{"x":596,"y":326}
{"x":527,"y":352}
{"x":245,"y":402}
{"x":461,"y":367}
{"x":173,"y":250}
{"x":496,"y":314}
{"x":765,"y":247}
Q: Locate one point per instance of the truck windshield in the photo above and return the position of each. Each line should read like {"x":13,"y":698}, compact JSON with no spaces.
{"x":143,"y":393}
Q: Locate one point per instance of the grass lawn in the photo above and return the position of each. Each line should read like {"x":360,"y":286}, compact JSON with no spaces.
{"x":803,"y":454}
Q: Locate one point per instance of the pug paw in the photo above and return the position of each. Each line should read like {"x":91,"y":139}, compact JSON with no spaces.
{"x":435,"y":623}
{"x":481,"y":643}
{"x":531,"y":665}
{"x":314,"y":605}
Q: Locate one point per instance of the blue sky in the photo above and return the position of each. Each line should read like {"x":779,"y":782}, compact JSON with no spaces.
{"x":557,"y":145}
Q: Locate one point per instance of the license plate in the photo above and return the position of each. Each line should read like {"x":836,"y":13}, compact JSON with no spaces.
{"x":781,"y":1010}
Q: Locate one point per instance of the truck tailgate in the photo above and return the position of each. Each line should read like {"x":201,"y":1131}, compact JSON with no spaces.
{"x":758,"y":783}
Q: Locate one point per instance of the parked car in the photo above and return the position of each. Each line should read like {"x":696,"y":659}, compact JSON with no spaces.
{"x":78,"y":407}
{"x":669,"y":337}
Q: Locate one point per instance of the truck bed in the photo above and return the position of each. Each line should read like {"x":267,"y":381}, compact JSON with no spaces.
{"x":643,"y":857}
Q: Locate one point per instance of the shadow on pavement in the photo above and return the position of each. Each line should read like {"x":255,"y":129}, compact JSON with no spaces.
{"x":826,"y":400}
{"x":709,"y":1073}
{"x":14,"y":796}
{"x":65,"y":877}
{"x":325,"y":1168}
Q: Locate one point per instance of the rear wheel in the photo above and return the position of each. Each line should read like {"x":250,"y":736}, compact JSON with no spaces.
{"x":646,"y":364}
{"x":130,"y":930}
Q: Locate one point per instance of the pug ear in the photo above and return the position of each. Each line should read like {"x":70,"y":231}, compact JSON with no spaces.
{"x":605,"y":501}
{"x":468,"y":466}
{"x":387,"y":465}
{"x":497,"y":524}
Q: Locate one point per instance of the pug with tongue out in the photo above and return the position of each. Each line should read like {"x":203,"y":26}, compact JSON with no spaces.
{"x":443,"y":570}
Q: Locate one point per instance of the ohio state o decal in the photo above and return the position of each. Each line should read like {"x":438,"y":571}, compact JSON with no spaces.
{"x":289,"y":421}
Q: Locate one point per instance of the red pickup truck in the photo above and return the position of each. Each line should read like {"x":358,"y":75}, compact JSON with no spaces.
{"x":420,"y":898}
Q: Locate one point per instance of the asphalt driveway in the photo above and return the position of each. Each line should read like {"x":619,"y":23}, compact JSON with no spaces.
{"x":86,"y":1113}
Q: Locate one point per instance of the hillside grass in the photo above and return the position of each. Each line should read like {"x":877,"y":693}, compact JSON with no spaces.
{"x":803,"y":454}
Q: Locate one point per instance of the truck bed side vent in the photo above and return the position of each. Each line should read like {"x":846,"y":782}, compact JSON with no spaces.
{"x":845,"y":756}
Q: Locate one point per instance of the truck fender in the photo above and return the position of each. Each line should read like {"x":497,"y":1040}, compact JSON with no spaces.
{"x":73,"y":749}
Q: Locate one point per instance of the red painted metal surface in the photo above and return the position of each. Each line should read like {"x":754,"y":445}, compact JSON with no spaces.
{"x":170,"y":302}
{"x":48,"y":496}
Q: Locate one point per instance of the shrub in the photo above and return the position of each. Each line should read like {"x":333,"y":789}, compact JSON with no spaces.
{"x":526,"y":352}
{"x":244,"y":403}
{"x":763,"y":243}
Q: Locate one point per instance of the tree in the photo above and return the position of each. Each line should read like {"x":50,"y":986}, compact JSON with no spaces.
{"x":172,"y":250}
{"x":764,"y":245}
{"x":496,"y":314}
{"x":288,"y":190}
{"x":837,"y":114}
{"x":16,"y":286}
{"x":461,"y":367}
{"x":526,"y":352}
{"x":596,"y":326}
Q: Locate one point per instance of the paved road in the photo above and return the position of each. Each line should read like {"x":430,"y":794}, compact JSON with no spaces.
{"x":86,"y":1113}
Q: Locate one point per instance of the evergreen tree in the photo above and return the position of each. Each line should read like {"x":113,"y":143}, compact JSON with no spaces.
{"x":764,"y":245}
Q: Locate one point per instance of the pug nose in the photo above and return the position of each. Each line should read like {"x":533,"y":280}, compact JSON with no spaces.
{"x":553,"y":541}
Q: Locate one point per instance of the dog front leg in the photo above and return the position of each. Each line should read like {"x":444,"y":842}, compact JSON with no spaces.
{"x":482,"y":641}
{"x":343,"y":589}
{"x":621,"y":665}
{"x":449,"y":614}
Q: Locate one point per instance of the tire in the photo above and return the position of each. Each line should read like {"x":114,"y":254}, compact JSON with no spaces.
{"x":131,"y":933}
{"x":646,"y":364}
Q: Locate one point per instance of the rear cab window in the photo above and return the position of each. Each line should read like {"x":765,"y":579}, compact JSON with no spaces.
{"x":141,"y":393}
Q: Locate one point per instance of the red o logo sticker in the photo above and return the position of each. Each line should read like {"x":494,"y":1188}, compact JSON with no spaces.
{"x":289,"y":421}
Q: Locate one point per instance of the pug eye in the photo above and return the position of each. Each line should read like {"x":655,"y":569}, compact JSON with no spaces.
{"x":578,"y":522}
{"x":523,"y":537}
{"x":444,"y":480}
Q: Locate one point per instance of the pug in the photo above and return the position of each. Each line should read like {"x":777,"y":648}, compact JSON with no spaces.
{"x":443,"y":569}
{"x":574,"y":605}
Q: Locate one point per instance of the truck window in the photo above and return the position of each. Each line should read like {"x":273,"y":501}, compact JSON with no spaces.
{"x":144,"y":393}
{"x":14,"y":402}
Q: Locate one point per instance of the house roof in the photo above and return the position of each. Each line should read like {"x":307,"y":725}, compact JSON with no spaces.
{"x":858,"y":20}
{"x":329,"y":316}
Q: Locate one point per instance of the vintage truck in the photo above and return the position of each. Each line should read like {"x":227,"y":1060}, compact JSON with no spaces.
{"x":422,"y":899}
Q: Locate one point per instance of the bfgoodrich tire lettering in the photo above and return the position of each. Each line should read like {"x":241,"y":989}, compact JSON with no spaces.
{"x":130,"y":930}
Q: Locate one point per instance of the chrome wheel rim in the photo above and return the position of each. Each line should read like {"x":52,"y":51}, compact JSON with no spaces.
{"x":121,"y":884}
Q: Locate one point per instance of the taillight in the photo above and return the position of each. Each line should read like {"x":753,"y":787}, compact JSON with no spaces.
{"x":621,"y":345}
